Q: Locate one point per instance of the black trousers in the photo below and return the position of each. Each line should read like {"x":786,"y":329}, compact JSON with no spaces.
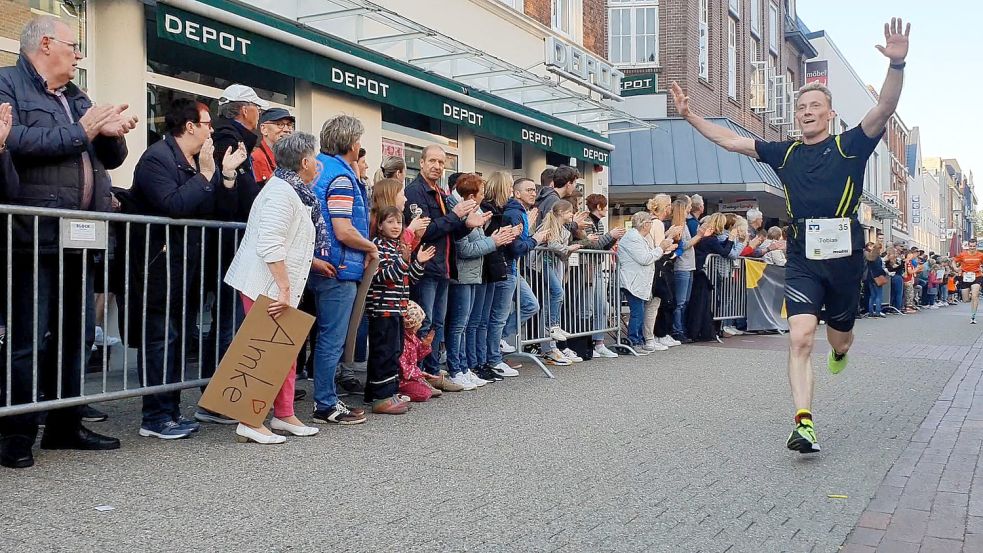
{"x":76,"y":335}
{"x":385,"y":348}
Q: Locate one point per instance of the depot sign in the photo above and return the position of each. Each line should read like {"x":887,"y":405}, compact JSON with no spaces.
{"x":259,"y":50}
{"x":583,"y":67}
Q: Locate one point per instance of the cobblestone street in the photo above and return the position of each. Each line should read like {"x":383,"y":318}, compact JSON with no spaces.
{"x":678,"y":451}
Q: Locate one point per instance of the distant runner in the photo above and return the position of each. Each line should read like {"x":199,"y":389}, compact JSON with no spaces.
{"x":823,"y":178}
{"x":969,"y":263}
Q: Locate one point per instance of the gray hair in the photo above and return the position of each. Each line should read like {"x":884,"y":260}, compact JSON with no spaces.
{"x":696,"y":200}
{"x":816,"y":86}
{"x":290,"y":150}
{"x":640,"y":218}
{"x":754,"y":214}
{"x":231,"y":110}
{"x":432,"y":148}
{"x":340,"y":134}
{"x":34,"y":32}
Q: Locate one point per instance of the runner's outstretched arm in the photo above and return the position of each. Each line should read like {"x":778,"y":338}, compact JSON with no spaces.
{"x":895,"y":49}
{"x":721,"y":136}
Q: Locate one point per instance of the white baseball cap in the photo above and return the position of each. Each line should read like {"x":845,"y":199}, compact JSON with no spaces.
{"x":242,"y":93}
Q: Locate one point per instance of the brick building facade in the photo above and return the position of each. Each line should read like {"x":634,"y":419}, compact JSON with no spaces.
{"x":679,"y":56}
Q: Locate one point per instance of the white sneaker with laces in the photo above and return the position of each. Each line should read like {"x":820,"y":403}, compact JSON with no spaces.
{"x":572,"y":355}
{"x":503,"y":369}
{"x":654,"y":345}
{"x":558,"y":334}
{"x":506,"y":347}
{"x":475,"y":379}
{"x":462,"y":379}
{"x":668,"y":341}
{"x":601,"y":350}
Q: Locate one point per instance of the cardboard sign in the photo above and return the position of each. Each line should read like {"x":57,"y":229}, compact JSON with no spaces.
{"x":256,"y":364}
{"x":357,"y":310}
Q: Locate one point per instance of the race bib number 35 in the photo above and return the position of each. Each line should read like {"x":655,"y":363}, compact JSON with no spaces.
{"x":828,"y":238}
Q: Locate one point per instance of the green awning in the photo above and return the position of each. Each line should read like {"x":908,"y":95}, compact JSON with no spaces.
{"x":231,"y":42}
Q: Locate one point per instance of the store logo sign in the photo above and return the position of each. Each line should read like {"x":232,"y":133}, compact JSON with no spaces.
{"x":537,"y":137}
{"x":587,"y":69}
{"x":591,"y":154}
{"x":470,"y":117}
{"x":207,"y":36}
{"x":359,"y":82}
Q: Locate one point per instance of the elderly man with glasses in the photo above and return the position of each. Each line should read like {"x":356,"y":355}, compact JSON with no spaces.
{"x":274,"y":124}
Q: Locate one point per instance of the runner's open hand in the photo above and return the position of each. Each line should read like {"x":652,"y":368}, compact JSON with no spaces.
{"x":896,"y":47}
{"x":680,"y":99}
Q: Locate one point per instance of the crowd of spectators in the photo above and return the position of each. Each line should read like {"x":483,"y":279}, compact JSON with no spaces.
{"x":457,"y":268}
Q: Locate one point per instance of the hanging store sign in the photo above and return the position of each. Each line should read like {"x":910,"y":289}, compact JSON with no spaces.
{"x":174,"y":24}
{"x":891,"y":198}
{"x":584,"y":68}
{"x":817,"y":72}
{"x":639,"y":85}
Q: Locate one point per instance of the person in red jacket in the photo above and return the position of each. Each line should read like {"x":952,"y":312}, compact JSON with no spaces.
{"x":274,"y":124}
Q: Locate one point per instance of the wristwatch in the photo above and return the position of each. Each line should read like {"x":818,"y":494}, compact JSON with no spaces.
{"x":226,"y":177}
{"x":898,"y":66}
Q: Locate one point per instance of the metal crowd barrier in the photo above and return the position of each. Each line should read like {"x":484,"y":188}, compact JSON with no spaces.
{"x":729,"y":299}
{"x":590,"y":298}
{"x":166,"y":275}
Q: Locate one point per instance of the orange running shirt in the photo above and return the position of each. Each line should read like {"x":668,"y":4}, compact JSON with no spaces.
{"x":970,"y":261}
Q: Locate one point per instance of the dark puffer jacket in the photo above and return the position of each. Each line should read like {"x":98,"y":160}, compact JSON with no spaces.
{"x":46,"y":147}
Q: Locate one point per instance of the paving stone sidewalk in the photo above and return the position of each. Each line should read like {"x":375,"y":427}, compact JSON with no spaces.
{"x":931,"y":500}
{"x":679,"y":451}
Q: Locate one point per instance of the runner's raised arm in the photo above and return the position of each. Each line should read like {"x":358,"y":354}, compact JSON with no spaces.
{"x":721,"y":136}
{"x":895,"y":49}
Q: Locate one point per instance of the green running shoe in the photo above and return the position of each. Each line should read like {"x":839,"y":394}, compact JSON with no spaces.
{"x":835,"y":365}
{"x":803,"y":438}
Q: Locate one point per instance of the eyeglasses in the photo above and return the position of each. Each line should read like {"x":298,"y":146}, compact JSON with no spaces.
{"x":204,"y":123}
{"x":77,"y":47}
{"x":281,"y":124}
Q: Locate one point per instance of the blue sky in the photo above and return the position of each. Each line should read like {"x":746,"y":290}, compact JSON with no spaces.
{"x":944,"y":73}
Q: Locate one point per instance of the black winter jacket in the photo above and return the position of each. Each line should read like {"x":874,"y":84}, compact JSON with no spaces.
{"x":443,"y":231}
{"x":46,"y":148}
{"x":496,"y":269}
{"x":228,"y":134}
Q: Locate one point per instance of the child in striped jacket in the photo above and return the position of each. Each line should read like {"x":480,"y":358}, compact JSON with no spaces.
{"x":386,"y":305}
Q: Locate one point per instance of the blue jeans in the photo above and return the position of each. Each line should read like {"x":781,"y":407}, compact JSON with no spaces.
{"x":943,"y":293}
{"x":876,"y":300}
{"x":600,"y":306}
{"x":636,"y":318}
{"x":555,"y":296}
{"x":476,"y":336}
{"x":431,"y":294}
{"x":503,"y":299}
{"x":335,"y":300}
{"x":683,"y":286}
{"x":460,"y":302}
{"x":897,"y":292}
{"x":528,"y":305}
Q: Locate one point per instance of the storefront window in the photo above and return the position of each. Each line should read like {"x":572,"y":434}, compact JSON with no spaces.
{"x":413,"y":155}
{"x":169,"y":58}
{"x":159,"y":99}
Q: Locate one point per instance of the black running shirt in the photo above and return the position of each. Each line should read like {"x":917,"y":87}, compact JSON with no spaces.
{"x":823,"y":180}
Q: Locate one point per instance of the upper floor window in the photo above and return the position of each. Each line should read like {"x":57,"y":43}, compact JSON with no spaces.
{"x":634,"y":36}
{"x":563,"y":16}
{"x":735,"y":7}
{"x":756,"y":16}
{"x":773,"y":27}
{"x":790,"y":9}
{"x":732,"y":57}
{"x":705,"y":39}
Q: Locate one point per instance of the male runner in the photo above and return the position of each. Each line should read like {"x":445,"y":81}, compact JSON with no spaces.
{"x":823,"y":179}
{"x":968,"y":264}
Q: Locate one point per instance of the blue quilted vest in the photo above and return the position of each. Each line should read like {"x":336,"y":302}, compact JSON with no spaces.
{"x":349,"y":262}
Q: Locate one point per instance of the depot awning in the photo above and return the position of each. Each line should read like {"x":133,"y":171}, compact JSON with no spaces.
{"x":244,"y":34}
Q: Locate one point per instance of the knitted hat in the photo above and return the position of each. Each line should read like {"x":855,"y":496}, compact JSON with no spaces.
{"x":414,"y":315}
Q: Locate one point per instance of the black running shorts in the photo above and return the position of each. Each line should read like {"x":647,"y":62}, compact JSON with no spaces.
{"x":832,"y":285}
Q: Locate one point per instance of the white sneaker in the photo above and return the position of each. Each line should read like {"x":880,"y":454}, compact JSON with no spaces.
{"x":668,"y":341}
{"x":654,"y":345}
{"x":503,"y":369}
{"x":572,"y":355}
{"x":462,"y":379}
{"x":602,"y":351}
{"x":558,"y":334}
{"x":475,"y":379}
{"x":506,"y":347}
{"x":554,"y":357}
